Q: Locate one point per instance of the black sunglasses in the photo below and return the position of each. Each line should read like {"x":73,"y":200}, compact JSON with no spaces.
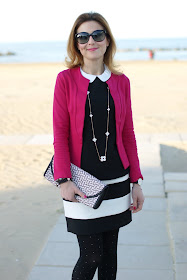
{"x":97,"y":35}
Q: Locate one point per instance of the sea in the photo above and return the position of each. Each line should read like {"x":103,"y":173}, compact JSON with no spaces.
{"x":127,"y":50}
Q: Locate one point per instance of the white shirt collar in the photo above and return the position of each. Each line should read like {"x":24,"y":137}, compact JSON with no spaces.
{"x":103,"y":77}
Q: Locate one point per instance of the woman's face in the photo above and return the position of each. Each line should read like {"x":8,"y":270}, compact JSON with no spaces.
{"x":92,"y":50}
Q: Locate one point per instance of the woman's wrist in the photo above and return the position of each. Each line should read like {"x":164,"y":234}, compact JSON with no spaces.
{"x":136,"y":184}
{"x":61,"y":181}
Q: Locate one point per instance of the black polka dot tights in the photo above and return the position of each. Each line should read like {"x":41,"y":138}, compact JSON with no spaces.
{"x":97,"y":251}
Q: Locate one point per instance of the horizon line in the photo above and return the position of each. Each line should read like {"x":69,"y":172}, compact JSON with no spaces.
{"x":116,"y":39}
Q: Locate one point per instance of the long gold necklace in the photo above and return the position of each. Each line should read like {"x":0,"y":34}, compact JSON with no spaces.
{"x":101,"y":158}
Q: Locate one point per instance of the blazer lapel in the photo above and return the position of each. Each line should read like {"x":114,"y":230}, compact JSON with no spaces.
{"x":117,"y":100}
{"x":81,"y":96}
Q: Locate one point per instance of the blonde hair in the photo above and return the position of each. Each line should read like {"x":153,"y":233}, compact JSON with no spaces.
{"x":75,"y":57}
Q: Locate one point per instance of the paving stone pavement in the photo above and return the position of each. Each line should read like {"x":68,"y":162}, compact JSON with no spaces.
{"x":153,"y":245}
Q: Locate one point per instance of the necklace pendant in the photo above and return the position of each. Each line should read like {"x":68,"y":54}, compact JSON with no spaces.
{"x":103,"y":158}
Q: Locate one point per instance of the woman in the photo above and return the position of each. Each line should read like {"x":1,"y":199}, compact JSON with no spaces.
{"x":93,"y":128}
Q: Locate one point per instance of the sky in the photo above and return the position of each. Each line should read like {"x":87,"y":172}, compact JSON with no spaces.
{"x":44,"y":20}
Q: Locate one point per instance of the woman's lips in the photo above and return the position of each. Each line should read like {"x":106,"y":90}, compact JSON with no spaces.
{"x":92,"y":50}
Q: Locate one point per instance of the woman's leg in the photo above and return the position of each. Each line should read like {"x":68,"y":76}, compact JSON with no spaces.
{"x":91,"y":253}
{"x":108,"y":267}
{"x":97,"y":250}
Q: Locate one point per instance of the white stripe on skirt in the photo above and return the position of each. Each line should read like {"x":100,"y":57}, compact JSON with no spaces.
{"x":77,"y":210}
{"x":116,"y":180}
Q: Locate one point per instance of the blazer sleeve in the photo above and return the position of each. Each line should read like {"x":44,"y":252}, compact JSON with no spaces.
{"x":128,"y":136}
{"x":61,"y":130}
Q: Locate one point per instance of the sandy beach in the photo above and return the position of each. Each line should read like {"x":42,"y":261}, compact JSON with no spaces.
{"x":158,"y":96}
{"x":30,"y":206}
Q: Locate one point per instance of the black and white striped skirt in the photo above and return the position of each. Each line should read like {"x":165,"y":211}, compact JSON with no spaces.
{"x":112,"y":213}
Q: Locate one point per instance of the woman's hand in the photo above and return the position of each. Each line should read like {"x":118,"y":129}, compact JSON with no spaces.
{"x":138,"y":198}
{"x":68,"y":191}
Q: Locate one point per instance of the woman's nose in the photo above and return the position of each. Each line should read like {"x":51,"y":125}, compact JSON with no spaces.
{"x":91,"y":40}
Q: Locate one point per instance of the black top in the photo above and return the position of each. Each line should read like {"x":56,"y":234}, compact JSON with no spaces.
{"x":111,"y":168}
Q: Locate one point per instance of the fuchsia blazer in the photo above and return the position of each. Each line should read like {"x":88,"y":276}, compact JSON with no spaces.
{"x":70,"y":96}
